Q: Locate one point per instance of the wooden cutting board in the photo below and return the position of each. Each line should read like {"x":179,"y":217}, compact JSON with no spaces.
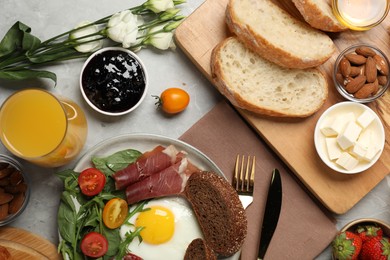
{"x":292,"y":139}
{"x":25,"y":245}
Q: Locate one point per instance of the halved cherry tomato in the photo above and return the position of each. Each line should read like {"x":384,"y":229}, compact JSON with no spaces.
{"x":91,"y":181}
{"x":173,"y":100}
{"x":94,"y":245}
{"x":115,"y":212}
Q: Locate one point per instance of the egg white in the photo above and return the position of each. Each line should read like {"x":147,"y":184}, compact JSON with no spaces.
{"x":186,"y":229}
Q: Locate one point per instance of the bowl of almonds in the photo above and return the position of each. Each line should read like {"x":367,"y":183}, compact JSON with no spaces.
{"x":14,"y":190}
{"x":361,"y":73}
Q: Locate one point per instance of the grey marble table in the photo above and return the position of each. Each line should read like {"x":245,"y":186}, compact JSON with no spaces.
{"x":48,"y":18}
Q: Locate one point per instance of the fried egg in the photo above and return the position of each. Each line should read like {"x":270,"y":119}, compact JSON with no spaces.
{"x":169,"y":227}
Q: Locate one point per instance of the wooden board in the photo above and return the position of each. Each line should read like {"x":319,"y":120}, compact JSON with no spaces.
{"x":25,"y":245}
{"x":292,"y":139}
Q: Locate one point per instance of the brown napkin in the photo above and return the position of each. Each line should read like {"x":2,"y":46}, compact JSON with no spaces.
{"x":304,"y":230}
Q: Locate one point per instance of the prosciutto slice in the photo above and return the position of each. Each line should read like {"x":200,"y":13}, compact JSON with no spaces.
{"x":170,"y":181}
{"x":148,"y":164}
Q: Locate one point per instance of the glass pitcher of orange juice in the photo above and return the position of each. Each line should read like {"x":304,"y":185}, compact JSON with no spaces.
{"x":41,"y":128}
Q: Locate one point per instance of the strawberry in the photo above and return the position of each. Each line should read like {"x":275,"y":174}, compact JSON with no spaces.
{"x":367,"y":232}
{"x":346,"y":245}
{"x":376,"y":249}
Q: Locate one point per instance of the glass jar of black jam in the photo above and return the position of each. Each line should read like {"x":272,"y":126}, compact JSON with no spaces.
{"x":113,"y":81}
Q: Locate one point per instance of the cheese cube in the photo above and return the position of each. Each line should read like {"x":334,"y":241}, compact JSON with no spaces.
{"x":347,"y":161}
{"x":337,"y":125}
{"x":359,"y":150}
{"x":372,"y":151}
{"x":365,"y":139}
{"x":365,"y":119}
{"x":333,"y":149}
{"x":349,"y":136}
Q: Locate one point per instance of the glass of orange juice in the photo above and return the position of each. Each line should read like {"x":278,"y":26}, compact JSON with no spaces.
{"x":41,"y":128}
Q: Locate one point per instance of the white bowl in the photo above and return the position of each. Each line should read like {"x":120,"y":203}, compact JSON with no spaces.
{"x":378,"y":136}
{"x":116,"y":76}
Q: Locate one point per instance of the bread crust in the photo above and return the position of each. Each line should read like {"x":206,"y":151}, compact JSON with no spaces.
{"x":198,"y":249}
{"x":236,"y":99}
{"x":267,"y":49}
{"x":219,"y":211}
{"x":316,"y":17}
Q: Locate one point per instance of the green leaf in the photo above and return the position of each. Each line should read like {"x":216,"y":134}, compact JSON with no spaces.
{"x":27,"y":74}
{"x":18,"y":37}
{"x":67,"y":223}
{"x":65,"y":174}
{"x":114,"y":240}
{"x":116,"y":161}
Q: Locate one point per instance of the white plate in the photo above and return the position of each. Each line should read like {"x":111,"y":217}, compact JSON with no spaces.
{"x":143,"y":143}
{"x":339,"y":109}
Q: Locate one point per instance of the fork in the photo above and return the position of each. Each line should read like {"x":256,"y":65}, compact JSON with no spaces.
{"x":244,"y":178}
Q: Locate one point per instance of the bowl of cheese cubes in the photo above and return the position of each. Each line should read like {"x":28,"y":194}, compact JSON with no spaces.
{"x":349,"y":137}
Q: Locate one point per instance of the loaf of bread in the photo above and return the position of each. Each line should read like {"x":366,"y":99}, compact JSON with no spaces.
{"x":319,"y":14}
{"x":250,"y":82}
{"x":198,"y":249}
{"x":276,"y":35}
{"x":219,"y":212}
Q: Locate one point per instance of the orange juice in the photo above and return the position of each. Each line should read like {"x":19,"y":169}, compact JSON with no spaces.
{"x":41,"y":128}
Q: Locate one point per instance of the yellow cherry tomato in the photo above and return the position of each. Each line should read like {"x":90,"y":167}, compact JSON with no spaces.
{"x":173,"y":100}
{"x":115,"y":212}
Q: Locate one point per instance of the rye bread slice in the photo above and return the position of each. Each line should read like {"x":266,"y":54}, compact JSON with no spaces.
{"x":219,"y":212}
{"x":198,"y":249}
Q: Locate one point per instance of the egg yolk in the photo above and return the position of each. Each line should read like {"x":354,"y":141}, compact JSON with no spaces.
{"x":158,"y":223}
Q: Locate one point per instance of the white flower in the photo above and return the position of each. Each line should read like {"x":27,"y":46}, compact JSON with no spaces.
{"x":123,"y":28}
{"x":158,"y":6}
{"x":91,"y":46}
{"x":160,"y":39}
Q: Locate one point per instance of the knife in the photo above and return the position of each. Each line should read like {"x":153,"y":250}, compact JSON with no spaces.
{"x":271,"y":213}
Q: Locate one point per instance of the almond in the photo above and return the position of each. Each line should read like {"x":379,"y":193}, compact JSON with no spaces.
{"x":3,"y":165}
{"x":4,"y":211}
{"x":382,"y":80}
{"x":340,"y":78}
{"x":367,"y":90}
{"x":5,"y":198}
{"x":356,"y":58}
{"x":355,"y":84}
{"x":345,"y":67}
{"x":370,"y":71}
{"x":16,"y":203}
{"x":365,"y":51}
{"x":355,"y":71}
{"x":5,"y":172}
{"x":381,"y":65}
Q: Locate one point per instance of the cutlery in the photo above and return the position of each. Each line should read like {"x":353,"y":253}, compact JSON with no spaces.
{"x":271,"y":213}
{"x":243,"y":179}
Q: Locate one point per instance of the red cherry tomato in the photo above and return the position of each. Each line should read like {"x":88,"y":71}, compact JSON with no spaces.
{"x":173,"y":100}
{"x":94,"y":245}
{"x":91,"y":181}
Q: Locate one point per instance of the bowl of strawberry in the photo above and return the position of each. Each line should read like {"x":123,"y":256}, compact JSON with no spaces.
{"x":363,"y":239}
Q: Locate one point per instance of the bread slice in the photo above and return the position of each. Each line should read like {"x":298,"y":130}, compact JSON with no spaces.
{"x":219,"y":212}
{"x":276,"y":35}
{"x":319,"y":14}
{"x":258,"y":85}
{"x":198,"y":249}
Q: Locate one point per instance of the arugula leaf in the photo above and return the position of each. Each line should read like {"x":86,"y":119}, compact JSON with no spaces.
{"x":116,"y":161}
